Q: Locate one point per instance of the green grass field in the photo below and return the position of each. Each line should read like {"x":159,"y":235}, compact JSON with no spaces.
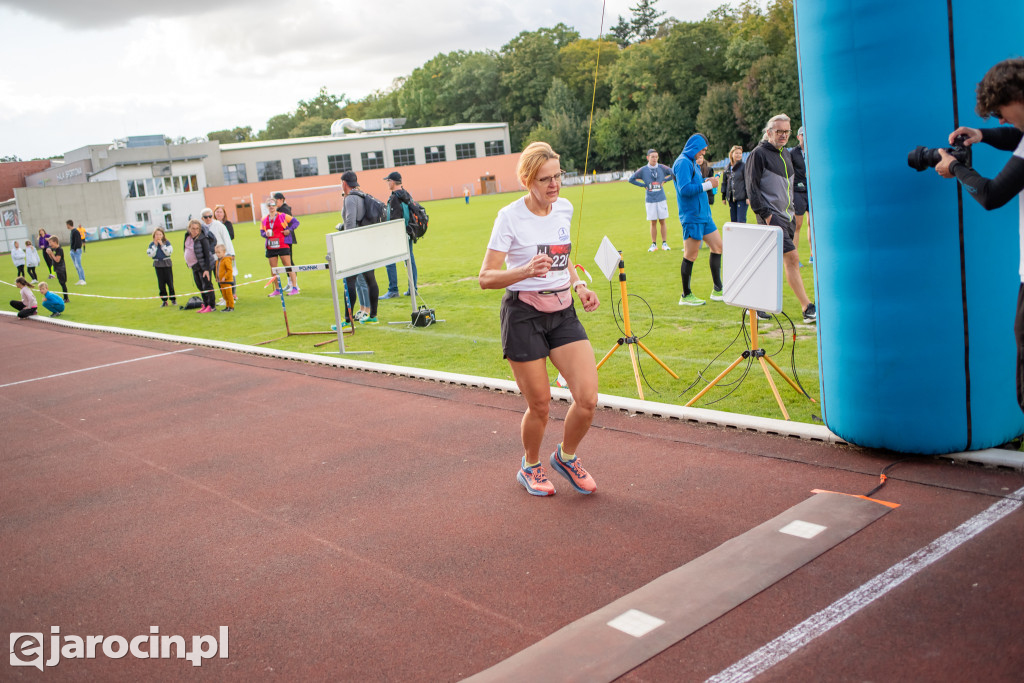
{"x":448,"y":258}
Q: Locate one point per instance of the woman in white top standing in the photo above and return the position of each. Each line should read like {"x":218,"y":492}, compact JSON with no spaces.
{"x":531,"y":238}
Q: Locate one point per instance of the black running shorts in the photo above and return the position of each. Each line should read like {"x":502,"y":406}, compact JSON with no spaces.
{"x":527,"y":334}
{"x":799,"y":203}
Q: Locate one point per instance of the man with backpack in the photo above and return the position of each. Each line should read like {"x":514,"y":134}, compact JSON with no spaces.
{"x":357,"y":210}
{"x":401,"y":204}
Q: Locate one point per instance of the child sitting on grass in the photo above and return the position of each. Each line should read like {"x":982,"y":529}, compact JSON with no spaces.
{"x":27,"y":306}
{"x":51,"y":302}
{"x":225,"y":276}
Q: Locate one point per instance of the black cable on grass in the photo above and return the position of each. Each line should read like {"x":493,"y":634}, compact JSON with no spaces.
{"x":700,"y":373}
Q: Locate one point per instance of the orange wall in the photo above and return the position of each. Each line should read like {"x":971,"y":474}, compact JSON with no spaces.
{"x":423,"y":181}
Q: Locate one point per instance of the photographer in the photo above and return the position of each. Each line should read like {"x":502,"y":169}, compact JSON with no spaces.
{"x":1000,"y":94}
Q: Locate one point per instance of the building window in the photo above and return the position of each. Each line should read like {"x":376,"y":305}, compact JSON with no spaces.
{"x":269,"y":170}
{"x":339,"y":163}
{"x":405,"y":157}
{"x":493,"y":148}
{"x":168,"y":223}
{"x":306,"y":166}
{"x":372,"y":160}
{"x":142,"y":217}
{"x":234,"y":174}
{"x":433,"y":154}
{"x":465,"y":150}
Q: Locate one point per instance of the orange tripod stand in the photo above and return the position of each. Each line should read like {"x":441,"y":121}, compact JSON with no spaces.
{"x":630,"y":339}
{"x":755,"y":351}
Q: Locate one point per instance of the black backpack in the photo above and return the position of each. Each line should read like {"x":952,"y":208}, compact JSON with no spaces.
{"x":374,"y":210}
{"x":416,"y":225}
{"x":416,"y":218}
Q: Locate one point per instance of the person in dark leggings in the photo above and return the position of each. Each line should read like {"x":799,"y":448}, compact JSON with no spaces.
{"x":199,"y":257}
{"x":44,"y":242}
{"x":27,"y":305}
{"x":160,"y":251}
{"x":60,"y":266}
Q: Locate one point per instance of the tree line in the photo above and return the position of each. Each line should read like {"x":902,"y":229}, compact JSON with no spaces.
{"x":658,"y":81}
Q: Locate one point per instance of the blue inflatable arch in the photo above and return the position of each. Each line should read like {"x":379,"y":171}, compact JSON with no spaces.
{"x":916,"y":283}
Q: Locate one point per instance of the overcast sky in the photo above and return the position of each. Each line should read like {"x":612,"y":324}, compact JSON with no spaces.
{"x":77,"y":73}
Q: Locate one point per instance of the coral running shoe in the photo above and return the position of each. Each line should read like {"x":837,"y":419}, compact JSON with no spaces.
{"x":276,"y":292}
{"x":535,"y":480}
{"x":573,"y":471}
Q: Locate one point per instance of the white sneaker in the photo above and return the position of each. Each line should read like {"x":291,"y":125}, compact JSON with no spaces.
{"x":80,"y":282}
{"x":665,"y":247}
{"x":220,"y":302}
{"x":654,"y":247}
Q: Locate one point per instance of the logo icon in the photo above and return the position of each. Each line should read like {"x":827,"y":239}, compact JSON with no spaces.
{"x":27,"y":650}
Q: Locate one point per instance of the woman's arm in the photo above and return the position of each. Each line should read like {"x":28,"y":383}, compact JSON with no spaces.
{"x":494,"y":276}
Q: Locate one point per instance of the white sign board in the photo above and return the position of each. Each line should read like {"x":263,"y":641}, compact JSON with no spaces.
{"x":371,"y":246}
{"x":752,"y":266}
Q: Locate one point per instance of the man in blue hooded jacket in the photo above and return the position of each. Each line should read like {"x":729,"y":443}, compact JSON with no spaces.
{"x":695,"y":216}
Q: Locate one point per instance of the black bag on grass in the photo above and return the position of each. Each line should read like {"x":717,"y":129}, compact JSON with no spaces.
{"x":193,"y":302}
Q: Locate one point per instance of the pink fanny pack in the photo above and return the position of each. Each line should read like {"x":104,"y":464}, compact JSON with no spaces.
{"x":547,"y":302}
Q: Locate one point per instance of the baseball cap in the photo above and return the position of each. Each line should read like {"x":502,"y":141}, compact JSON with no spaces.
{"x":395,"y":176}
{"x":350,"y":178}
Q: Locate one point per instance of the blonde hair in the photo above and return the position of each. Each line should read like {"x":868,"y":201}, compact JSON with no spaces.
{"x":533,"y":157}
{"x":734,"y":148}
{"x":195,"y":221}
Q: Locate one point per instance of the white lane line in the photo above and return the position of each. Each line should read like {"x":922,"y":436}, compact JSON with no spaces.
{"x":95,"y":367}
{"x":800,"y":635}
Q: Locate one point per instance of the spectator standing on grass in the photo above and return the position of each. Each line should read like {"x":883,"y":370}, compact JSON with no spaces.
{"x":27,"y":305}
{"x":77,"y":245}
{"x":531,"y":239}
{"x":220,"y":232}
{"x":51,"y":302}
{"x":199,"y":256}
{"x":60,"y":267}
{"x":160,"y":251}
{"x":770,"y":176}
{"x":18,"y":257}
{"x":44,"y":242}
{"x":652,"y":178}
{"x":277,"y":230}
{"x":734,"y":187}
{"x":31,"y":261}
{"x":695,"y":217}
{"x":221,"y":215}
{"x":353,"y":214}
{"x":282,"y":207}
{"x":398,"y":207}
{"x":800,"y":202}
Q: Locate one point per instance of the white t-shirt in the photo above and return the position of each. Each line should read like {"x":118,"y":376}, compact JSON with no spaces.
{"x":522,"y":234}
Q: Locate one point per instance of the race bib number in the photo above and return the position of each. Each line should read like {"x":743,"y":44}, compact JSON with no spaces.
{"x":274,"y":243}
{"x":559,"y":254}
{"x":655,"y":186}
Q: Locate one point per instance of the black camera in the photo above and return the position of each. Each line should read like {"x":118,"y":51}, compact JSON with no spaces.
{"x":928,"y":157}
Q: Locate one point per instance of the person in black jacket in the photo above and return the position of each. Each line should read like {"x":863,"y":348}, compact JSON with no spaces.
{"x":800,"y":202}
{"x":398,"y":207}
{"x":769,"y":176}
{"x":734,"y":187}
{"x":1000,"y":94}
{"x":199,"y":256}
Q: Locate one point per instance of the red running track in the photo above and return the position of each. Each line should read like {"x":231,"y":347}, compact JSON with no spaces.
{"x":352,"y":526}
